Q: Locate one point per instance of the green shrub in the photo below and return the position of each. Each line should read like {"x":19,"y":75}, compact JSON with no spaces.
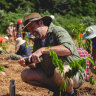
{"x":6,"y":18}
{"x":88,"y":21}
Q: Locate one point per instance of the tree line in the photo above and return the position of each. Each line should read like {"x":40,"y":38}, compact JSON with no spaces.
{"x":72,"y":7}
{"x":67,"y":12}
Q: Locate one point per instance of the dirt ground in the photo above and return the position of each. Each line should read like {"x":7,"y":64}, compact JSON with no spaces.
{"x":22,"y":89}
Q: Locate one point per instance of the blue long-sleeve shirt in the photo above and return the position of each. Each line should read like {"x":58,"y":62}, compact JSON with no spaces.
{"x":23,"y":51}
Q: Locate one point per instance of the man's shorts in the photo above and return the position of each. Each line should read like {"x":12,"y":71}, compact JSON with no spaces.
{"x":79,"y":78}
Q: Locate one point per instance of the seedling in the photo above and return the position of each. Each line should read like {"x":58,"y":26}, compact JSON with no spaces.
{"x":75,"y":67}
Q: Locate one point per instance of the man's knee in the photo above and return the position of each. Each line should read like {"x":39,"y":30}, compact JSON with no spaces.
{"x":29,"y":74}
{"x":24,"y":75}
{"x":59,"y":78}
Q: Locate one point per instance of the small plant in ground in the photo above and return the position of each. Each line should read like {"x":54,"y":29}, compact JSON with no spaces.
{"x":3,"y":47}
{"x":1,"y":68}
{"x":75,"y":67}
{"x":88,"y":45}
{"x":26,"y":45}
{"x":1,"y":50}
{"x":77,"y":33}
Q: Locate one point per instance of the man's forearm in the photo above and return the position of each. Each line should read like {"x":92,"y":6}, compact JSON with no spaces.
{"x":60,"y":50}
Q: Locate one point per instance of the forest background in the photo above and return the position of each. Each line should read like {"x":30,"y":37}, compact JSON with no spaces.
{"x":73,"y":15}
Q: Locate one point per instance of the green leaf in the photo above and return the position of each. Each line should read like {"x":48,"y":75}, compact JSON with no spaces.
{"x":26,"y":45}
{"x":83,"y":63}
{"x":63,"y":86}
{"x":90,"y":59}
{"x":93,"y":70}
{"x":50,"y":54}
{"x":91,"y":80}
{"x":1,"y":68}
{"x":3,"y":52}
{"x":75,"y":67}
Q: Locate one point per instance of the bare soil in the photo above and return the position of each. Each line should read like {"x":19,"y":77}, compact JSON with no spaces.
{"x":22,"y":89}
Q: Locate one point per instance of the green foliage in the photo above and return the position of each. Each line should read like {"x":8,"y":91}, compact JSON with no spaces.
{"x":88,"y":21}
{"x":6,"y":18}
{"x":82,"y":7}
{"x":88,"y":45}
{"x":3,"y":47}
{"x":76,"y":66}
{"x":91,"y":80}
{"x":1,"y":68}
{"x":59,"y":20}
{"x":45,"y":13}
{"x":76,"y":30}
{"x":63,"y":86}
{"x":56,"y":61}
{"x":88,"y":6}
{"x":1,"y":50}
{"x":76,"y":26}
{"x":2,"y":20}
{"x":93,"y":70}
{"x":26,"y":45}
{"x":90,"y":59}
{"x":72,"y":7}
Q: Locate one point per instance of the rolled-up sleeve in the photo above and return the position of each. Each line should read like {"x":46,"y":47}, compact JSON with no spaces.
{"x":63,"y":38}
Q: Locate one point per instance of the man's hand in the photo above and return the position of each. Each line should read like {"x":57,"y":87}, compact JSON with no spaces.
{"x":22,"y":62}
{"x":36,"y":56}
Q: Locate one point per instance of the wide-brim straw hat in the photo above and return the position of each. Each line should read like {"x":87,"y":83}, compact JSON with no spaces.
{"x":90,"y":32}
{"x":19,"y":41}
{"x":35,"y":17}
